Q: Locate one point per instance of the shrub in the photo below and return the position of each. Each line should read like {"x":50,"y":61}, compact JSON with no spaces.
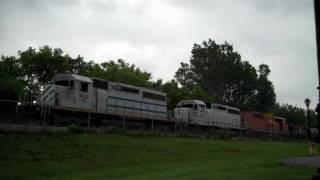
{"x":113,"y":130}
{"x":224,"y":135}
{"x":75,"y":129}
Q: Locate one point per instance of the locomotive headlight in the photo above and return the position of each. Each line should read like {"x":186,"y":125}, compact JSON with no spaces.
{"x":34,"y":101}
{"x":19,"y":103}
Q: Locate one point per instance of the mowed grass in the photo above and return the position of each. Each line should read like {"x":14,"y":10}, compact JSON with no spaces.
{"x":129,"y":157}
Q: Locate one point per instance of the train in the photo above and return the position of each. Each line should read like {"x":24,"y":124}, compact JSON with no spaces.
{"x":72,"y":96}
{"x":198,"y":113}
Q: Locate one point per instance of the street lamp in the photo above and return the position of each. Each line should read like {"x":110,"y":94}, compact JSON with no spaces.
{"x":307,"y":102}
{"x":317,"y":139}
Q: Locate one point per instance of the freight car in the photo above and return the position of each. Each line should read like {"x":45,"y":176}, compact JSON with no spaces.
{"x":262,"y":123}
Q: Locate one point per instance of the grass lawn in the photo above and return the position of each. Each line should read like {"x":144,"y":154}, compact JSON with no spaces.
{"x":129,"y":157}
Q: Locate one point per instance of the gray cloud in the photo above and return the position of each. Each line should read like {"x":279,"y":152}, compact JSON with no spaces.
{"x":158,"y":35}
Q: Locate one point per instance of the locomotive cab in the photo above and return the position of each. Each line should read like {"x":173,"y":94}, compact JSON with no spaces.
{"x":191,"y":111}
{"x":68,"y":91}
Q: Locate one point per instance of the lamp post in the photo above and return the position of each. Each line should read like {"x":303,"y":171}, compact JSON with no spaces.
{"x":307,"y":102}
{"x":317,"y":26}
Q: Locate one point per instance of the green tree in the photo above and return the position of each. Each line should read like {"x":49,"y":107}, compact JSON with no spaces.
{"x":10,"y":66}
{"x":221,"y":73}
{"x":78,"y":65}
{"x":293,"y":114}
{"x":174,"y":93}
{"x":157,"y":85}
{"x":120,"y":71}
{"x":265,"y":97}
{"x":186,"y":76}
{"x":38,"y":67}
{"x":12,"y":85}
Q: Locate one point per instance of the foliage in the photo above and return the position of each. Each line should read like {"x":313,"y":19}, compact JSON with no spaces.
{"x":75,"y":129}
{"x":10,"y":87}
{"x":265,"y":97}
{"x":176,"y":93}
{"x":9,"y":67}
{"x":120,"y":71}
{"x":186,"y":76}
{"x":294,"y":114}
{"x":78,"y":65}
{"x":220,"y":72}
{"x":38,"y":67}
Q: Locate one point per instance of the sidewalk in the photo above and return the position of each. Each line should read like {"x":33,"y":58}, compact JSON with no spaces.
{"x":312,"y":161}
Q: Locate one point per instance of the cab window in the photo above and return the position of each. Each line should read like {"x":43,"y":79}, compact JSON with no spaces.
{"x":202,"y":108}
{"x":62,"y":83}
{"x":195,"y":107}
{"x":83,"y":87}
{"x":187,"y":106}
{"x":232,"y":111}
{"x":71,"y":84}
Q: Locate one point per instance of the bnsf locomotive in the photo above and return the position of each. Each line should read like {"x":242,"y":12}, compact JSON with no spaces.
{"x":71,"y":94}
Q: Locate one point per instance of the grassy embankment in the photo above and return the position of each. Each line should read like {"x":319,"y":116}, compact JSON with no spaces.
{"x":128,"y":157}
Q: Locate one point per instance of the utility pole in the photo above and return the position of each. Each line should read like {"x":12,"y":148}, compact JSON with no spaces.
{"x":317,"y":14}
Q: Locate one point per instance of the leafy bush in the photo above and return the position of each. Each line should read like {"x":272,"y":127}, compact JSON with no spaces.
{"x":224,"y":135}
{"x":113,"y":130}
{"x":75,"y":129}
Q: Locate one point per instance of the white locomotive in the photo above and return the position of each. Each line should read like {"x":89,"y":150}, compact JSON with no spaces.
{"x":79,"y":93}
{"x":198,"y":113}
{"x":71,"y":92}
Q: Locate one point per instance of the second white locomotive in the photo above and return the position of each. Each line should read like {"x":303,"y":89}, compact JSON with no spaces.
{"x":198,"y":113}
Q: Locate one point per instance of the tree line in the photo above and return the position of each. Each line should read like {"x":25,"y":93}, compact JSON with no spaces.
{"x":215,"y":73}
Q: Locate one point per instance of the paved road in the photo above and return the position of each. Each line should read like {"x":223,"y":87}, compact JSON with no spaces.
{"x":313,"y":161}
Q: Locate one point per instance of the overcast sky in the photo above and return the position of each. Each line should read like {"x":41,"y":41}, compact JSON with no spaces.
{"x":158,"y":35}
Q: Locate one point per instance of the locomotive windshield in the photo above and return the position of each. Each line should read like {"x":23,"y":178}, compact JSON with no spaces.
{"x":187,"y":106}
{"x":84,"y":87}
{"x":192,"y":106}
{"x":65,"y":83}
{"x":233,"y":111}
{"x":62,"y":83}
